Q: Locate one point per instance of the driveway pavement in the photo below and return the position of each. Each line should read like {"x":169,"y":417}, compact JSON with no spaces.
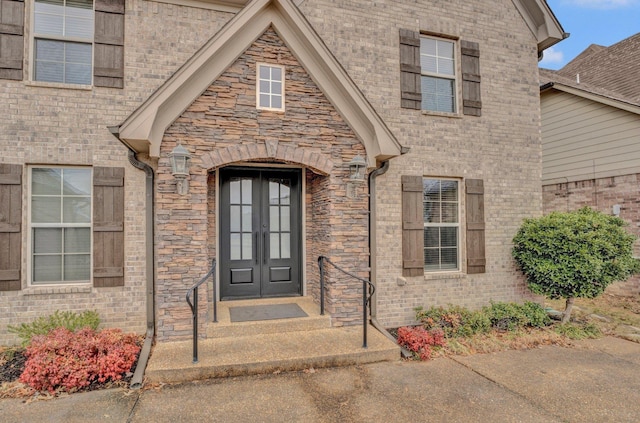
{"x":597,"y":381}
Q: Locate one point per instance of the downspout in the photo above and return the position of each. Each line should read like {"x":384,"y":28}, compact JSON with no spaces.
{"x":145,"y":352}
{"x":372,"y":245}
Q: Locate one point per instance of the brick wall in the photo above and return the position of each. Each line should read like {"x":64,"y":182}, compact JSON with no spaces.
{"x":50,"y":124}
{"x":223,"y":127}
{"x":601,"y":194}
{"x":502,"y":147}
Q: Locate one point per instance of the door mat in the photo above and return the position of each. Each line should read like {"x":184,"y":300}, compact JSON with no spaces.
{"x":266,"y":312}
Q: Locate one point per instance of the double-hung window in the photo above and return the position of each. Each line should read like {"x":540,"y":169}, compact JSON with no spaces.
{"x":270,"y":87}
{"x":440,"y":199}
{"x":438,"y":79}
{"x":60,"y":222}
{"x":63,"y":41}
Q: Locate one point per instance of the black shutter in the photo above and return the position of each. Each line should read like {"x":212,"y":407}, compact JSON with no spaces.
{"x":108,"y":64}
{"x":412,"y":226}
{"x":11,"y":39}
{"x":10,"y":226}
{"x":471,"y":100}
{"x":108,"y":226}
{"x":411,"y":95}
{"x":476,"y":261}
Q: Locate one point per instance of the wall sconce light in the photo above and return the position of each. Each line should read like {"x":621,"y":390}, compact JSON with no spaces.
{"x":357,"y":167}
{"x":180,"y":158}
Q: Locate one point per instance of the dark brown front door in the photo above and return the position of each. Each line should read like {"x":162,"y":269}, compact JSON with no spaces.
{"x":260,"y":232}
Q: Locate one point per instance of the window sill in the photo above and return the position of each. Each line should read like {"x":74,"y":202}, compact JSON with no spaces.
{"x":443,"y":275}
{"x":57,"y":289}
{"x":42,"y":84}
{"x":442,"y":114}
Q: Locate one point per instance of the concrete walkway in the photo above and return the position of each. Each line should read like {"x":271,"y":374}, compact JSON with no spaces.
{"x":597,"y":381}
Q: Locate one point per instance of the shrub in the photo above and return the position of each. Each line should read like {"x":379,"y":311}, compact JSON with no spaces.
{"x":575,"y":254}
{"x":513,"y":316}
{"x":454,"y":321}
{"x":419,"y":340}
{"x":59,"y":319}
{"x":74,"y":360}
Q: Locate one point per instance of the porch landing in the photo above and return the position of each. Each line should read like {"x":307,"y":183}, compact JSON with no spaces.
{"x":257,"y":347}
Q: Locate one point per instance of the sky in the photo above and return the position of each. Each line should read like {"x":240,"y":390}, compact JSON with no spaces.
{"x":603,"y":22}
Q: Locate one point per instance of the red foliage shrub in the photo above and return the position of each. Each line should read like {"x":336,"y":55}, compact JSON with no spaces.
{"x":419,"y":340}
{"x":73,"y":360}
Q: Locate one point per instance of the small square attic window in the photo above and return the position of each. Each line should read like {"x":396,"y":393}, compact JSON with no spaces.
{"x":270,"y":87}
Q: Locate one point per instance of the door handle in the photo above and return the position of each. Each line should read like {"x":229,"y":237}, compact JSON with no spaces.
{"x":255,"y":248}
{"x":264,"y":247}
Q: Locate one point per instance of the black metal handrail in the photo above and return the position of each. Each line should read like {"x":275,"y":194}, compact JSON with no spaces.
{"x":366,"y":300}
{"x":194,"y":306}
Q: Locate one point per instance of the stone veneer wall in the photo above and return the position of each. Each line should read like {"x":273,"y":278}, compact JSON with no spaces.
{"x":502,"y":147}
{"x":57,"y":124}
{"x":223,"y":127}
{"x":601,"y":194}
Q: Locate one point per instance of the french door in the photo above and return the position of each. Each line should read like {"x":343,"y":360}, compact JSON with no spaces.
{"x":260,"y":233}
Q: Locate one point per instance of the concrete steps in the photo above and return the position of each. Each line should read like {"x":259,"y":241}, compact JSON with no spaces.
{"x":248,"y":348}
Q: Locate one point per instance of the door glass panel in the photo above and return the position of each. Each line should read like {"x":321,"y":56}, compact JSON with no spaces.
{"x":246,"y":191}
{"x":274,"y":219}
{"x":240,"y":219}
{"x":274,"y":191}
{"x":286,"y":246}
{"x":274,"y":245}
{"x":285,"y":192}
{"x":246,"y":246}
{"x":234,"y":221}
{"x":285,"y":219}
{"x":234,"y":187}
{"x":234,"y":247}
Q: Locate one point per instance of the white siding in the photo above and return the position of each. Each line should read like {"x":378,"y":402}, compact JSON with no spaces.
{"x":582,"y":139}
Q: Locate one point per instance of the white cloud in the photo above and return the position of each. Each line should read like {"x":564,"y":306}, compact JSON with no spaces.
{"x":603,"y":4}
{"x":551,"y":57}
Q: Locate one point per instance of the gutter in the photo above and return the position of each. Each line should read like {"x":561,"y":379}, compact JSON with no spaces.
{"x":145,"y":352}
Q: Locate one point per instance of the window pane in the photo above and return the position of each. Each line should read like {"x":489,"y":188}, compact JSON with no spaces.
{"x":47,"y":23}
{"x":431,"y":189}
{"x":431,"y":212}
{"x":264,"y":100}
{"x":431,"y":237}
{"x":264,"y":87}
{"x":449,"y":237}
{"x":449,"y":190}
{"x":276,"y":74}
{"x":80,"y":25}
{"x":428,"y":46}
{"x":76,"y":267}
{"x":445,"y":48}
{"x":76,"y":209}
{"x":276,"y":102}
{"x":265,"y":72}
{"x":77,"y":240}
{"x":77,"y":74}
{"x":432,"y":259}
{"x":449,"y":258}
{"x":45,"y":210}
{"x":449,"y":213}
{"x":46,"y":181}
{"x":47,"y":241}
{"x":445,"y":66}
{"x":276,"y":87}
{"x":80,"y":4}
{"x":47,"y":268}
{"x":77,"y":182}
{"x":428,"y":64}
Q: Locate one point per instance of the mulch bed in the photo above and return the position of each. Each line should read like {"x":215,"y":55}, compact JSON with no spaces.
{"x":12,"y":363}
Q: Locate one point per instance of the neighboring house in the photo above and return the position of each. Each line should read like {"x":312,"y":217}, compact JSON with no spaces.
{"x":274,"y":100}
{"x":591,"y":135}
